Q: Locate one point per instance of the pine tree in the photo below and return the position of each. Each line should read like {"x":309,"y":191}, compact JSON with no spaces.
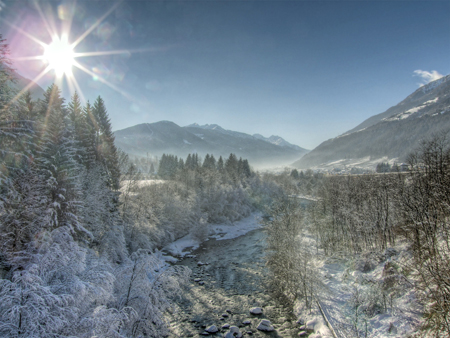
{"x":220,"y":165}
{"x":75,"y":115}
{"x":57,"y":166}
{"x":107,"y":148}
{"x":6,"y":76}
{"x":89,"y":138}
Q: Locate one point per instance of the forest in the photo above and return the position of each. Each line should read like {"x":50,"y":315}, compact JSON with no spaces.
{"x":79,"y":232}
{"x":364,"y":219}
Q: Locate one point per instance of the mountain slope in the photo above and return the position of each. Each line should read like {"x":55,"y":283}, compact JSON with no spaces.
{"x":21,"y":82}
{"x":392,"y":134}
{"x":167,"y":137}
{"x":279,"y":141}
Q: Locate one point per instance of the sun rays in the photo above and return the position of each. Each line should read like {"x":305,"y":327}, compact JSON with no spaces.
{"x":60,"y":55}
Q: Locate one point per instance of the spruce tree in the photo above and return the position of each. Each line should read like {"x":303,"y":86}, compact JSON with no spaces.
{"x":57,"y":166}
{"x":107,"y":148}
{"x":89,"y":138}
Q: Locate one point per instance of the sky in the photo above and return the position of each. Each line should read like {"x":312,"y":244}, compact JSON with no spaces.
{"x":307,"y":71}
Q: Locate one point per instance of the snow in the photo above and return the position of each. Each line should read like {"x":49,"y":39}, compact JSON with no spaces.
{"x":343,"y":275}
{"x":236,"y":229}
{"x":186,"y":244}
{"x":186,"y":141}
{"x":409,"y":112}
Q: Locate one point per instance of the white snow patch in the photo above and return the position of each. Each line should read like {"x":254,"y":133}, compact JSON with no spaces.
{"x":186,"y":244}
{"x":239,"y":228}
{"x":411,"y":111}
{"x":186,"y":142}
{"x":182,"y":246}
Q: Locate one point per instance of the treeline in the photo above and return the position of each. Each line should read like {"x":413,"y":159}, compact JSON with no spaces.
{"x":356,"y":214}
{"x":170,"y":167}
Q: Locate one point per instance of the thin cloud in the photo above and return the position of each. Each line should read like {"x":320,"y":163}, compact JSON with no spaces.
{"x":427,"y":77}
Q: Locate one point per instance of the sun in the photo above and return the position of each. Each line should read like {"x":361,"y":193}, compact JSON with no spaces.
{"x":60,"y":56}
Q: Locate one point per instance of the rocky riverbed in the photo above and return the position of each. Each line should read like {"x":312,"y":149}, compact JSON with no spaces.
{"x":228,"y":280}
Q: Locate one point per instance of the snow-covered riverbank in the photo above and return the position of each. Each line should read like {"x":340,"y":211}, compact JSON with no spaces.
{"x":186,"y":244}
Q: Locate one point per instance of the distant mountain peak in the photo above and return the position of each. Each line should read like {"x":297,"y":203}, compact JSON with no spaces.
{"x":278,"y":141}
{"x":207,"y":126}
{"x":430,"y":86}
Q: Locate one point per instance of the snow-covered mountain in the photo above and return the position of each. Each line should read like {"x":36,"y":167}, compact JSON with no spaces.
{"x":277,"y":140}
{"x":167,"y":137}
{"x":391,"y":135}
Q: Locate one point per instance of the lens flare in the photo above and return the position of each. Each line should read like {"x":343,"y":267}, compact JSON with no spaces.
{"x":60,"y":56}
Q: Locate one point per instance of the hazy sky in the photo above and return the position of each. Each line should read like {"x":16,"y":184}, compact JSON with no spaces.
{"x":304,"y":70}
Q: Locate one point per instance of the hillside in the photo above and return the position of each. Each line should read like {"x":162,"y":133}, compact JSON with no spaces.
{"x":167,"y":137}
{"x":392,"y":134}
{"x":21,"y":82}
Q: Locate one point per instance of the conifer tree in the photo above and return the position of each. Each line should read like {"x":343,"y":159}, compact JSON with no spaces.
{"x":89,"y":138}
{"x":57,"y":166}
{"x":75,"y":114}
{"x":107,"y":149}
{"x":220,"y":165}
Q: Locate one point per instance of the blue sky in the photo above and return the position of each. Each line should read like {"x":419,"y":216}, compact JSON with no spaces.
{"x":304,"y":70}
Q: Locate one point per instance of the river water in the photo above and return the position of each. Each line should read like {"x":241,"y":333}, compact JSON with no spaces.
{"x":234,"y":281}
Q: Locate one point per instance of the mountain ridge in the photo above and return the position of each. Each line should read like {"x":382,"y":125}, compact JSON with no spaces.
{"x":167,"y":137}
{"x":393,"y":134}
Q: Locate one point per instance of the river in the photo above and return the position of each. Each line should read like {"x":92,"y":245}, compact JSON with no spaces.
{"x":234,"y":279}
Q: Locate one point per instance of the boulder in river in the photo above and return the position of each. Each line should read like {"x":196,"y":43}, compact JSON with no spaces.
{"x":265,"y":325}
{"x":234,"y":333}
{"x":212,"y":329}
{"x":226,"y":326}
{"x":256,"y":311}
{"x":246,"y":322}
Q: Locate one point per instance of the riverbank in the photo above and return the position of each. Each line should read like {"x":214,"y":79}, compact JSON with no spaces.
{"x":228,"y":279}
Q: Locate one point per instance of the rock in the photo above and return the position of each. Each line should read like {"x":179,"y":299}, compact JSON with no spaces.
{"x":392,"y":329}
{"x":204,"y":333}
{"x":212,"y":329}
{"x":265,"y":325}
{"x":201,"y":283}
{"x":302,"y":334}
{"x":228,"y":310}
{"x":310,"y":325}
{"x":246,"y":322}
{"x":197,"y":280}
{"x":256,"y":311}
{"x":249,"y":333}
{"x":234,"y":333}
{"x":226,"y":326}
{"x":225,"y":315}
{"x":200,"y":263}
